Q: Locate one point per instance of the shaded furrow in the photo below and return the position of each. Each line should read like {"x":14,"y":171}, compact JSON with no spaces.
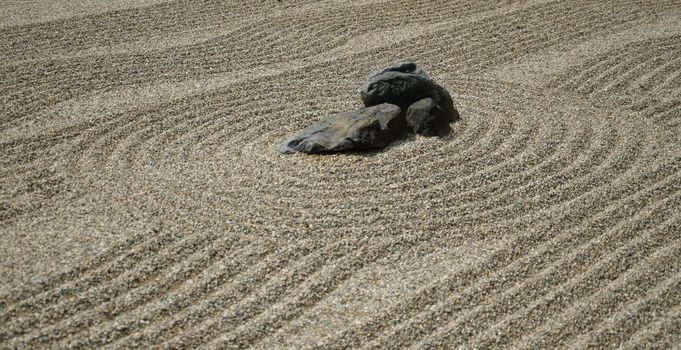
{"x":72,"y":34}
{"x":660,"y":264}
{"x":569,"y":201}
{"x":663,"y":333}
{"x":143,"y":274}
{"x":199,"y":287}
{"x":458,"y":156}
{"x":307,"y":294}
{"x":473,"y":298}
{"x":634,"y":316}
{"x":480,"y":33}
{"x":574,"y":286}
{"x":128,"y":252}
{"x":242,"y":289}
{"x":61,"y":79}
{"x":598,"y":73}
{"x":507,"y":260}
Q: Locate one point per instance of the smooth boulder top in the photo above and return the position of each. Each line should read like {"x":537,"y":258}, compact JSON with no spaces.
{"x":367,"y":128}
{"x":402,"y":67}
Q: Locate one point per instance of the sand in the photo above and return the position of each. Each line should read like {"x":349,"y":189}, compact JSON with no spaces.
{"x":143,"y":202}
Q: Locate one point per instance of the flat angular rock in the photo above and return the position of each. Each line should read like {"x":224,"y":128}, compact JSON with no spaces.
{"x":368,"y":128}
{"x":425,"y":117}
{"x":404,"y":84}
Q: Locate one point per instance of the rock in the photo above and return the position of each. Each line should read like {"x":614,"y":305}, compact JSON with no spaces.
{"x":399,"y":99}
{"x":404,"y":84}
{"x":368,"y":128}
{"x":404,"y":67}
{"x":427,"y":118}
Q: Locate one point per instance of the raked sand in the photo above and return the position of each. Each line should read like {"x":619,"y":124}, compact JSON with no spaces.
{"x":143,"y":202}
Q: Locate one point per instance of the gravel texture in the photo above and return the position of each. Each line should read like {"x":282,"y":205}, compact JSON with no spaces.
{"x":143,"y":202}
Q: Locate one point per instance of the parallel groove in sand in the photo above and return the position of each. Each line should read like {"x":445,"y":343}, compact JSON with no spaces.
{"x":554,"y":246}
{"x":663,"y":333}
{"x":132,"y":278}
{"x":101,"y":76}
{"x":502,"y":331}
{"x":665,"y":296}
{"x":642,"y":71}
{"x":201,"y":287}
{"x":225,"y":297}
{"x":527,"y":173}
{"x":656,"y":271}
{"x":408,"y":329}
{"x":472,"y":277}
{"x":618,"y":262}
{"x":203,"y":59}
{"x":610,"y":143}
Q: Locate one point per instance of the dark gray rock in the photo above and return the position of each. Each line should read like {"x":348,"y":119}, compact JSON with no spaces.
{"x":403,"y":67}
{"x":404,"y":84}
{"x":425,"y":117}
{"x":399,"y":99}
{"x":368,"y":128}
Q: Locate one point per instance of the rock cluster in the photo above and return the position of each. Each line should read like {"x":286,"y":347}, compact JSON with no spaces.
{"x":399,"y":100}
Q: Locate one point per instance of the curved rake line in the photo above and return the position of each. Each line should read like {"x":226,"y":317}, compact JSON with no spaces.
{"x":77,"y":67}
{"x":631,"y":155}
{"x":86,"y":31}
{"x":65,"y":325}
{"x":508,"y":328}
{"x":159,"y":308}
{"x":573,"y":82}
{"x":573,"y":31}
{"x":624,"y":78}
{"x":447,"y":335}
{"x":59,"y":82}
{"x":152,"y":133}
{"x":672,"y":81}
{"x":130,"y":245}
{"x":536,"y":338}
{"x":590,"y":86}
{"x":617,"y":328}
{"x":218,"y":297}
{"x":457,"y":201}
{"x":66,"y":308}
{"x":121,"y":127}
{"x":610,"y":59}
{"x":537,"y":201}
{"x":311,"y":293}
{"x":188,"y":138}
{"x":446,"y":151}
{"x":570,"y":31}
{"x":659,"y":108}
{"x":656,"y":78}
{"x":508,"y":162}
{"x":257,"y":121}
{"x":266,"y":116}
{"x":494,"y":153}
{"x":670,"y":117}
{"x":663,"y":333}
{"x":276,"y":289}
{"x":112,"y":266}
{"x":497,"y":24}
{"x":502,"y":259}
{"x":487,"y":289}
{"x":260,"y":297}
